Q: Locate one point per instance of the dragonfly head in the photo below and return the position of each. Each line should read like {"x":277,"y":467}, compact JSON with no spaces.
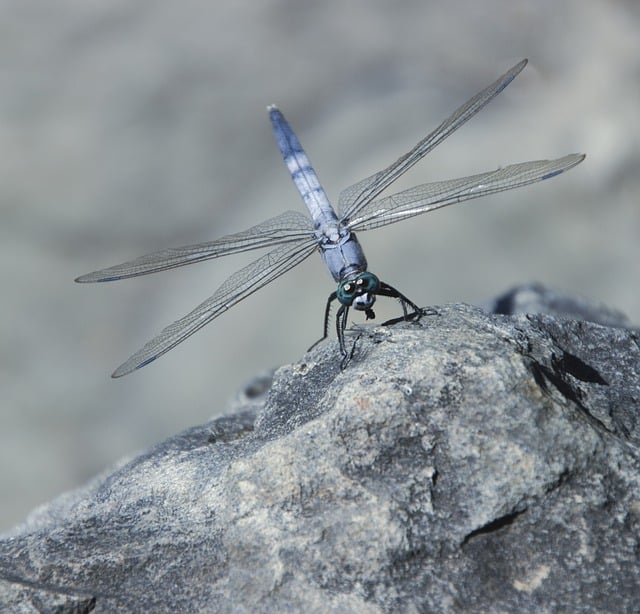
{"x":359,"y":292}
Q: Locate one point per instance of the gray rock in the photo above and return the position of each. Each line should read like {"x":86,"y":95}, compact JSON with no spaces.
{"x":535,"y":298}
{"x":467,"y":462}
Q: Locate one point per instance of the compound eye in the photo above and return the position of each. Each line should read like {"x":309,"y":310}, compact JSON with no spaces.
{"x":370,"y":282}
{"x":356,"y":289}
{"x":346,"y":293}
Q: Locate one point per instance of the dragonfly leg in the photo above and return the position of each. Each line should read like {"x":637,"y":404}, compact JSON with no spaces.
{"x":342,"y":318}
{"x":325,"y":329}
{"x":387,"y":290}
{"x":341,"y":325}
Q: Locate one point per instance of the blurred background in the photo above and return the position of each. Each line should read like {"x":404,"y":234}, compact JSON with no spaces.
{"x":131,"y":127}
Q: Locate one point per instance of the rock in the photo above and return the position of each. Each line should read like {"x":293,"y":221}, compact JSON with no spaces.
{"x":535,"y":298}
{"x":466,"y":462}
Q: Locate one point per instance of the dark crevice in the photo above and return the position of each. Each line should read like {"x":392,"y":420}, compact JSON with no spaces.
{"x":544,"y":375}
{"x":562,"y":478}
{"x":493,"y":526}
{"x":86,"y":599}
{"x":575,"y":366}
{"x":539,"y":376}
{"x":564,"y":388}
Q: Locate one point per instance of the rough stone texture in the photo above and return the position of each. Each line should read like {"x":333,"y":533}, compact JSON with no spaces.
{"x":468,"y":462}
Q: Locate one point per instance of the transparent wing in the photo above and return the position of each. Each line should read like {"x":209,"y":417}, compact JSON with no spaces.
{"x":238,"y":286}
{"x":284,"y":228}
{"x":430,"y":196}
{"x":353,"y":198}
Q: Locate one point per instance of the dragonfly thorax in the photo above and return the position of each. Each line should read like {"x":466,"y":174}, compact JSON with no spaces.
{"x":344,"y":259}
{"x":330,"y":233}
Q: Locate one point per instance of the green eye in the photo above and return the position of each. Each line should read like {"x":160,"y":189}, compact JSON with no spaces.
{"x":370,"y":281}
{"x":346,"y":293}
{"x":363,"y":284}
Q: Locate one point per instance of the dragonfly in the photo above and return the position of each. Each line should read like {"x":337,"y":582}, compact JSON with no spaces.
{"x":293,"y":236}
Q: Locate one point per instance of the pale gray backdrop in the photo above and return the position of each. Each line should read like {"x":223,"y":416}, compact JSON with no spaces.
{"x":127,"y":127}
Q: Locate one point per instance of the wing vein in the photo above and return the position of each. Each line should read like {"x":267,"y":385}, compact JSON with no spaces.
{"x":287,"y":227}
{"x":355,"y":197}
{"x":237,"y":287}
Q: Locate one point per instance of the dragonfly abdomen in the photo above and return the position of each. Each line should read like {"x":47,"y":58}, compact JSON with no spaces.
{"x":301,"y":171}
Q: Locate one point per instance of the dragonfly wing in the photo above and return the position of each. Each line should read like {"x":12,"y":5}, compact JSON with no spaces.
{"x":430,"y":196}
{"x":353,"y":198}
{"x":284,"y":228}
{"x":238,"y":286}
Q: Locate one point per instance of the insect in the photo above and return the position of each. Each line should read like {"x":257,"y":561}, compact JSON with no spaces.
{"x":294,"y":236}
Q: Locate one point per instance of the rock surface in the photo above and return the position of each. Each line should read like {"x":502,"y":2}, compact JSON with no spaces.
{"x":467,"y":462}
